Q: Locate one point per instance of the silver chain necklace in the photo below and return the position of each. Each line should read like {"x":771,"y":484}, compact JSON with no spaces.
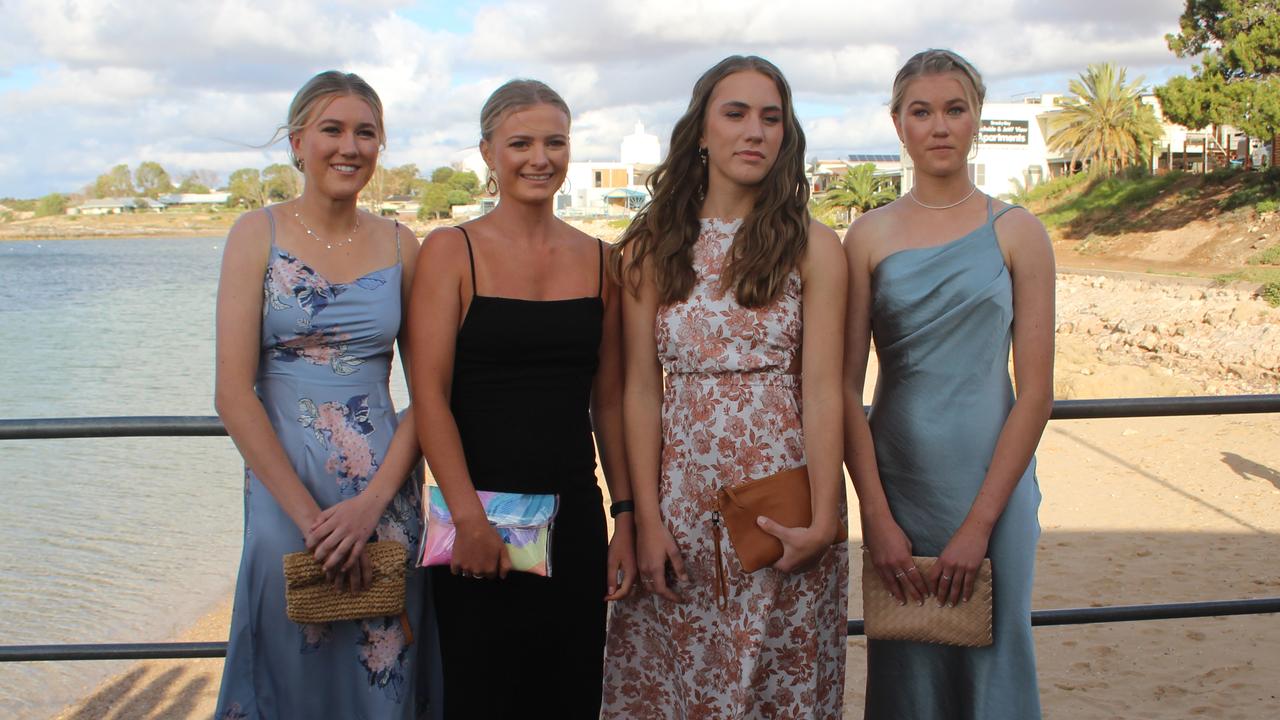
{"x":312,"y":233}
{"x":912,"y":194}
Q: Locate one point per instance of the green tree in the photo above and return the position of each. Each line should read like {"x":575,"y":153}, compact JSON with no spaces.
{"x":434,"y":201}
{"x":1106,"y":123}
{"x":1238,"y":79}
{"x":191,"y":183}
{"x":281,"y":182}
{"x":151,"y":179}
{"x":858,"y":191}
{"x":466,"y":181}
{"x":441,"y":174}
{"x":51,"y":204}
{"x":402,"y":180}
{"x":245,"y":186}
{"x":116,"y":182}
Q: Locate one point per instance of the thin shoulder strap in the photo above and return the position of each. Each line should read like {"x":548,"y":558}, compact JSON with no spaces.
{"x":990,"y":218}
{"x":271,"y":220}
{"x":397,"y":231}
{"x":1002,"y":212}
{"x":600,"y":277}
{"x":470,"y":256}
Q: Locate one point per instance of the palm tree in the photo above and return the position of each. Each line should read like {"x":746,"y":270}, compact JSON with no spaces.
{"x":1106,"y":124}
{"x":859,"y":189}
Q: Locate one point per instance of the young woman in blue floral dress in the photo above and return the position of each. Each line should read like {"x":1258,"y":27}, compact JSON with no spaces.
{"x":309,"y":306}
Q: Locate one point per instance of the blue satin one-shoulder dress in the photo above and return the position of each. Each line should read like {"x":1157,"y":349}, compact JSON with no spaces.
{"x":942,"y":319}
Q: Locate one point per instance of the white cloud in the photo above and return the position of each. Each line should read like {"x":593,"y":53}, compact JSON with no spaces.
{"x":197,"y":85}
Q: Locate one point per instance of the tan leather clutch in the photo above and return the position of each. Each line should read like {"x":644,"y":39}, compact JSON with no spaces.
{"x":966,"y":624}
{"x":784,"y":497}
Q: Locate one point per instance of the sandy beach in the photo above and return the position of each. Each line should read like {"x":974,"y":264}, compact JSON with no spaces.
{"x":1135,"y":511}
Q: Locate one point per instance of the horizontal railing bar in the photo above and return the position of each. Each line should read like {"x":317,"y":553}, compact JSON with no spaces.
{"x":108,"y":427}
{"x":210,"y":426}
{"x":1039,"y":618}
{"x":1131,"y":613}
{"x":116,"y":651}
{"x":1164,"y":406}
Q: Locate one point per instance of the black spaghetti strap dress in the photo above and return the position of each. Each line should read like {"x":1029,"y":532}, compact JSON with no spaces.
{"x":529,"y":646}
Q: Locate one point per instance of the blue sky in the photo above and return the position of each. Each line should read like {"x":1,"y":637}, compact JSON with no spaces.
{"x":88,"y":84}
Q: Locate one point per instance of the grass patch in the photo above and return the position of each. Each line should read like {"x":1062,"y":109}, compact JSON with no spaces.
{"x":1256,"y":188}
{"x":1271,"y":293}
{"x":620,"y":223}
{"x":1108,"y":196}
{"x":1270,"y":256}
{"x":1266,"y":206}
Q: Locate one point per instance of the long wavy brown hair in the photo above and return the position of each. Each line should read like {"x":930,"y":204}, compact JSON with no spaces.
{"x":773,"y":235}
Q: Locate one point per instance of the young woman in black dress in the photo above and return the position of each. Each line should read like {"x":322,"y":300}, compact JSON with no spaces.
{"x":516,"y":327}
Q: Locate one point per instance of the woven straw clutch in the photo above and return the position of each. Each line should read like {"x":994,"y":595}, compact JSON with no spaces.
{"x":310,"y":598}
{"x":966,"y":624}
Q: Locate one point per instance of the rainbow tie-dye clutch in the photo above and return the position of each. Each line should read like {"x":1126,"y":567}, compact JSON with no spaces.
{"x":522,"y":520}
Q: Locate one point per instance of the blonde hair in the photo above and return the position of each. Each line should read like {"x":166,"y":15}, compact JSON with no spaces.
{"x":316,"y":95}
{"x":936,"y":61}
{"x":515,"y":95}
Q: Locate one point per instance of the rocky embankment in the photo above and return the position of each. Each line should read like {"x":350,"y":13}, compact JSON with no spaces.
{"x":1127,"y":336}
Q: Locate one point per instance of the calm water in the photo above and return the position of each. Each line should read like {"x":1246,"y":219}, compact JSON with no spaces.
{"x":113,"y":540}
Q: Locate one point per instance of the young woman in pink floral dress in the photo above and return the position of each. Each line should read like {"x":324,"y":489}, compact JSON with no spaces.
{"x":735,"y":303}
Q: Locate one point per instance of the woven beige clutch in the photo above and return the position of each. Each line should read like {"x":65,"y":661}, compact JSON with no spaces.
{"x":966,"y":624}
{"x":310,"y":598}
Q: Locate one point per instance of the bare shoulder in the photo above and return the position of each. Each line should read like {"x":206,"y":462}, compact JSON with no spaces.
{"x":824,"y":243}
{"x":443,"y":250}
{"x":823,"y":256}
{"x":249,"y":239}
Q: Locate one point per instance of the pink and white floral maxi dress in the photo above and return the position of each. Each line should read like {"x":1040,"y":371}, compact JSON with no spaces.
{"x":730,"y":412}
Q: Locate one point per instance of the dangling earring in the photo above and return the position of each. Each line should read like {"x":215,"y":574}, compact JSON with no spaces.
{"x":299,"y":164}
{"x":491,"y":185}
{"x":973,"y":147}
{"x":566,"y":187}
{"x":702,"y":155}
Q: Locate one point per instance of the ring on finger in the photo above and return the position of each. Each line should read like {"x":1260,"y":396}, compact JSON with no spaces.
{"x":910,"y":569}
{"x":947,"y":578}
{"x":900,"y":573}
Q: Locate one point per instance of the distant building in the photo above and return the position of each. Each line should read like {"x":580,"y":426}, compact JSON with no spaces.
{"x":824,"y":173}
{"x":209,"y":198}
{"x":116,"y":206}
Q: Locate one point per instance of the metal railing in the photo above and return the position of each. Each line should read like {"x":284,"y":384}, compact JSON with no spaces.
{"x":209,"y":426}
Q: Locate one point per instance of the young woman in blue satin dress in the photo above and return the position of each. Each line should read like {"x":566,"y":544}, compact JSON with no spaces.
{"x":946,"y":280}
{"x":309,"y":306}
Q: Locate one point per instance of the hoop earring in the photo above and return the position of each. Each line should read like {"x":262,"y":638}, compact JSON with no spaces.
{"x":973,"y":147}
{"x":566,"y":187}
{"x":491,"y":185}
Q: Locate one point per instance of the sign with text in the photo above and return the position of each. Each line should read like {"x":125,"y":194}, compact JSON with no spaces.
{"x":1003,"y":132}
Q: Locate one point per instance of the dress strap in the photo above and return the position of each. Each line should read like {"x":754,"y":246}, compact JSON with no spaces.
{"x":990,"y":218}
{"x":397,"y":231}
{"x":472,"y":257}
{"x":600,"y":276}
{"x":1002,"y":212}
{"x":271,"y":220}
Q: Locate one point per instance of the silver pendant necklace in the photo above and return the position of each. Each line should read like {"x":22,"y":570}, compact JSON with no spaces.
{"x":312,"y":233}
{"x":912,"y":194}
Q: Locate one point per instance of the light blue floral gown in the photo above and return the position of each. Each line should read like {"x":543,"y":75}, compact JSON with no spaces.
{"x":322,"y":377}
